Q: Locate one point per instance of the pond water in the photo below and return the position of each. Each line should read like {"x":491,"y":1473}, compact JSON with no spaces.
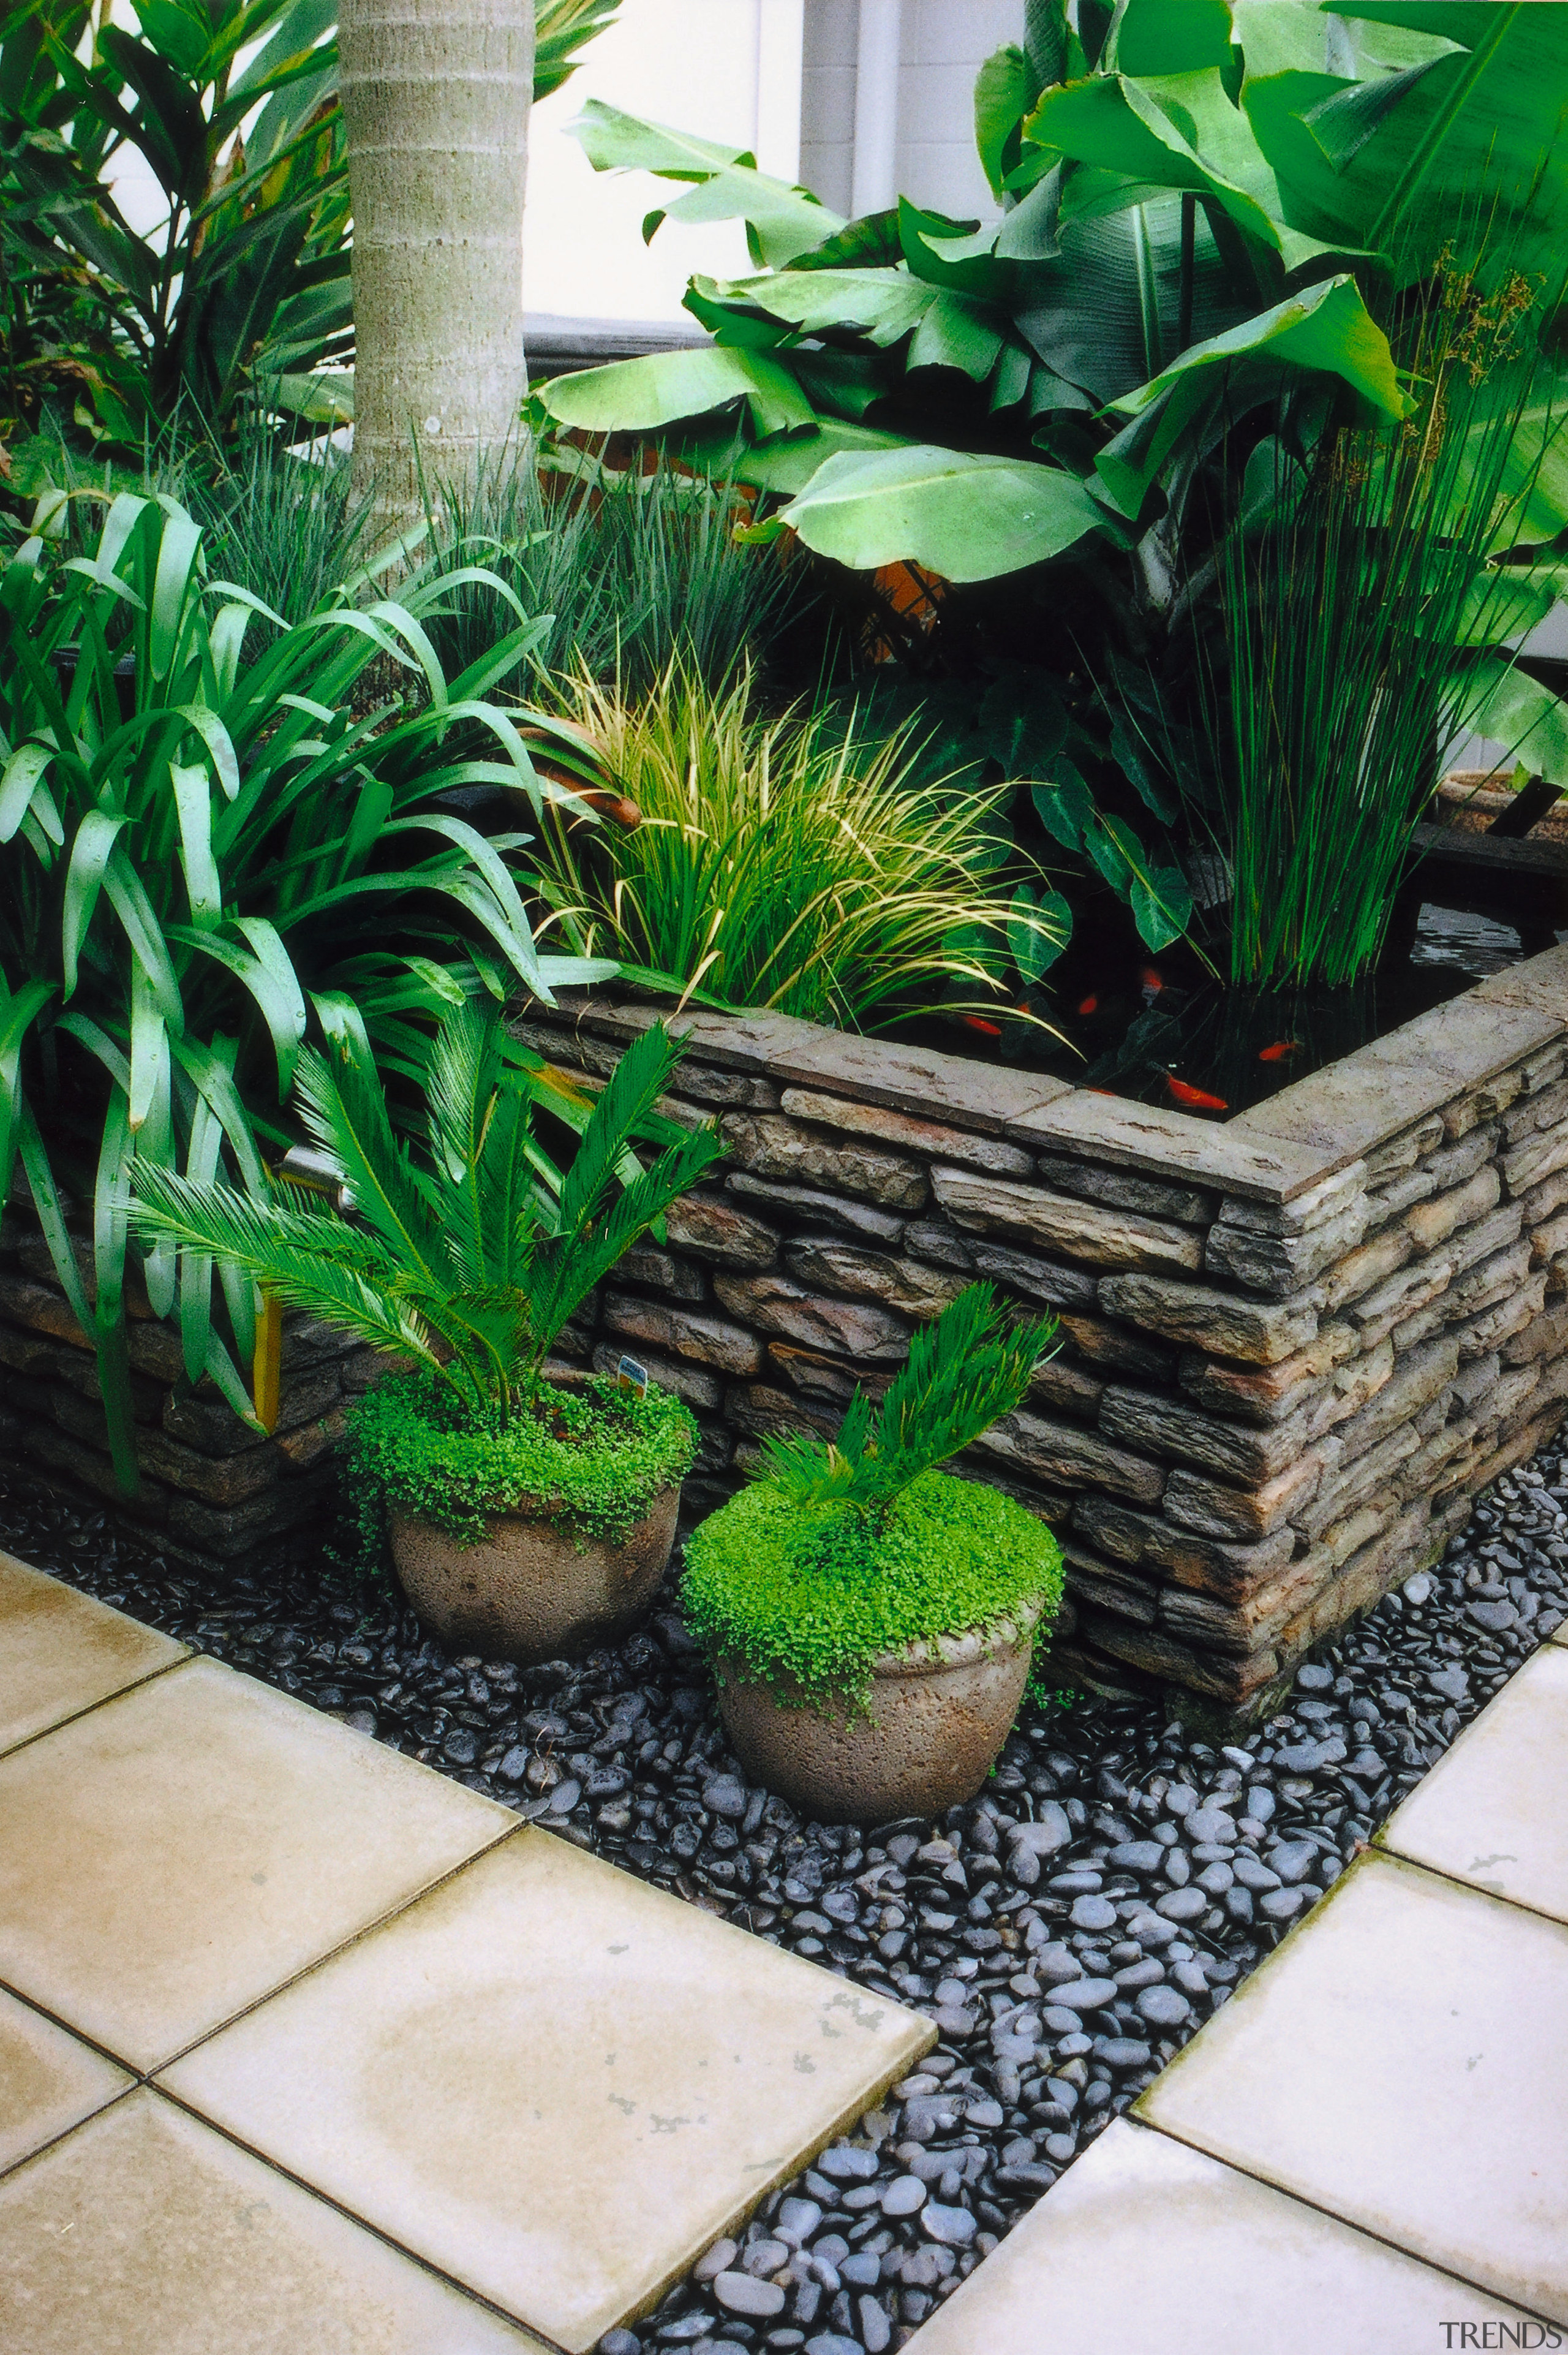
{"x":1158,"y":1030}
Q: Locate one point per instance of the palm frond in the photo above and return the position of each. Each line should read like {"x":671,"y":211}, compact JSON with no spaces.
{"x":961,"y":1374}
{"x":310,"y":1259}
{"x":567,"y":1267}
{"x":460,"y":1266}
{"x":461,"y":1094}
{"x":638,"y":1081}
{"x":510,"y":1202}
{"x":344,"y":1111}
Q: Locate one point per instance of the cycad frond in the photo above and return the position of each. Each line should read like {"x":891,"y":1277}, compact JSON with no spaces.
{"x":311,"y":1259}
{"x":461,"y":1087}
{"x":508,"y":1198}
{"x":344,"y":1111}
{"x":961,"y":1374}
{"x":566,"y":1266}
{"x":469,"y":1267}
{"x":636,"y":1084}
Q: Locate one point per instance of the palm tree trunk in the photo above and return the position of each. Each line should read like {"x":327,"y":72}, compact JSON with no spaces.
{"x":435,"y":100}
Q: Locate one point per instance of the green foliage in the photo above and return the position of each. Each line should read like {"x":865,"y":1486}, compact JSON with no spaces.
{"x":459,"y":1259}
{"x":1214,"y":208}
{"x":996,"y":397}
{"x":289,"y":528}
{"x":562,"y":27}
{"x":808,"y":1598}
{"x":790,"y":861}
{"x":626,"y":569}
{"x":277,"y":525}
{"x":962,"y":1373}
{"x":780,"y":220}
{"x":249,"y":275}
{"x":201,"y":852}
{"x":1367,"y":628}
{"x":232,"y":105}
{"x":592,"y":1460}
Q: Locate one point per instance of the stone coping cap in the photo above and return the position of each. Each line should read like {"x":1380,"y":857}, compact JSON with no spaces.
{"x":1300,"y":1136}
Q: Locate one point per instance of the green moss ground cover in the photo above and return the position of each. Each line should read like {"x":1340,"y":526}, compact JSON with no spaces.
{"x":808,"y":1597}
{"x":592,"y":1460}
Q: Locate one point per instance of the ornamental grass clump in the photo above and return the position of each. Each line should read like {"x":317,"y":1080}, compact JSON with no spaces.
{"x":790,"y":861}
{"x":465,"y":1263}
{"x":841,"y":1553}
{"x":1374,"y":622}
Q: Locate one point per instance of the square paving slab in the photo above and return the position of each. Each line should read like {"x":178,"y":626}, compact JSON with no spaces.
{"x":188,"y":1846}
{"x":1145,"y":2246}
{"x":61,"y":1652}
{"x":146,"y":2234}
{"x":48,"y":2082}
{"x":1402,"y":2062}
{"x":1493,"y":1811}
{"x":552,"y":2081}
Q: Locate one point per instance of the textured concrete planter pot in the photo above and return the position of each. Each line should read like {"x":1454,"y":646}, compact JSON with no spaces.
{"x":527,"y":1592}
{"x":935,"y":1720}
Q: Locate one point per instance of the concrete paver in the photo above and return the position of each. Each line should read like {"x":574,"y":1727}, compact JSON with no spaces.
{"x":61,"y":1652}
{"x":1145,"y":2244}
{"x":50,"y":2081}
{"x":145,"y":2233}
{"x":186,"y":1847}
{"x":1494,"y":1811}
{"x":554,"y":2082}
{"x":1400,"y":2062}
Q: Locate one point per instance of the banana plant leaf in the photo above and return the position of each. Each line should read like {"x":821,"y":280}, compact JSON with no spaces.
{"x":781,"y":221}
{"x":960,"y":513}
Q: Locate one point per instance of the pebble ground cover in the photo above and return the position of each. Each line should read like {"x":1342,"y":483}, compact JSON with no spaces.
{"x":1068,"y":1930}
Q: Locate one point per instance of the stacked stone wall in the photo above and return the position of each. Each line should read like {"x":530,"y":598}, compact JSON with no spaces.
{"x":212,"y":1488}
{"x":1294,"y":1344}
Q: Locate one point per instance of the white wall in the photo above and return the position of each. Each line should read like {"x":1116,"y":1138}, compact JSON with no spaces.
{"x":943,"y":43}
{"x":776,"y":75}
{"x":827,"y":100}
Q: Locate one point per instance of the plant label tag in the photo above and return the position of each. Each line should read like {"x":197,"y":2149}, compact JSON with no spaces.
{"x":631,"y":1376}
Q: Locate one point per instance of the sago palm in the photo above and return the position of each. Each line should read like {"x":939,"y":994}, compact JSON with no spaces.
{"x":458,"y":1258}
{"x":962,"y":1373}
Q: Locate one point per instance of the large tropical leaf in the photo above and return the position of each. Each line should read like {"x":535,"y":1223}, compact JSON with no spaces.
{"x":636,"y":396}
{"x":781,"y":221}
{"x":1456,"y":142}
{"x":1108,"y":314}
{"x":1179,"y":131}
{"x":959,"y":513}
{"x":1327,"y":329}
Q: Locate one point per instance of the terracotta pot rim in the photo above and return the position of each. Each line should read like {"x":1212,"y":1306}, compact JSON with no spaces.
{"x":926,"y":1656}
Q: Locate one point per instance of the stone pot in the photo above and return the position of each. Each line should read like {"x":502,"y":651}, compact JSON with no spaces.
{"x":527,"y":1592}
{"x":934,"y":1719}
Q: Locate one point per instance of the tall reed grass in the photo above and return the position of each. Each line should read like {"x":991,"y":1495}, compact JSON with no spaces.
{"x":785,"y":861}
{"x":1351,"y":626}
{"x":632,"y":567}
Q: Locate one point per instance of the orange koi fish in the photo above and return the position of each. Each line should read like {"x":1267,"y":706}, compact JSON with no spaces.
{"x":977,"y":1022}
{"x":1196,"y":1099}
{"x":1278,"y":1051}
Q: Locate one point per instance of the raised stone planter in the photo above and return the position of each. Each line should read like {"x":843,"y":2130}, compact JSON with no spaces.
{"x":211,"y":1488}
{"x":1295,"y":1344}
